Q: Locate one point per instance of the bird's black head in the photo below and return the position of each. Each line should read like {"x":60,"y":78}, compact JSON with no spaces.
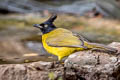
{"x":48,"y":25}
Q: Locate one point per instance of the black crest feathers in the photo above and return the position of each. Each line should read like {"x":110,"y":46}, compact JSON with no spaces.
{"x":52,"y":18}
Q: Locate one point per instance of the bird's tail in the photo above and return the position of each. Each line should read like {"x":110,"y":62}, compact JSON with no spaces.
{"x":100,"y":47}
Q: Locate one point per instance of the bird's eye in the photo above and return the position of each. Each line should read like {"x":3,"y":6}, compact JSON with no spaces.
{"x":46,"y":25}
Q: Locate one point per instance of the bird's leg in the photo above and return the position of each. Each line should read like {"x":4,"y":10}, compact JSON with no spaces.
{"x":58,"y":64}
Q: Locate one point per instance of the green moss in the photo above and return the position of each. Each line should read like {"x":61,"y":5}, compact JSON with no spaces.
{"x":51,"y":76}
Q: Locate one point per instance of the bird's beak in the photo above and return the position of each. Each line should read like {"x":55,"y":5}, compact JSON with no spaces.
{"x":37,"y":26}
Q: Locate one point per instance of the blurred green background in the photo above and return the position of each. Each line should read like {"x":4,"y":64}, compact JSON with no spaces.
{"x":96,"y":20}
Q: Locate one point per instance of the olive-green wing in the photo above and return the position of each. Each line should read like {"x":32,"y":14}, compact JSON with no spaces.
{"x":64,"y":38}
{"x":81,"y":37}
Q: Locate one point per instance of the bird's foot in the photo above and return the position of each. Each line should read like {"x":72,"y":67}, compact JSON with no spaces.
{"x":58,"y":63}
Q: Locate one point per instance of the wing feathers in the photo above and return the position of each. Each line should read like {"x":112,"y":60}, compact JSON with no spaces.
{"x":63,"y":38}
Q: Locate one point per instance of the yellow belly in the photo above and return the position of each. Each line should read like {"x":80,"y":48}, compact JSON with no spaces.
{"x":61,"y":52}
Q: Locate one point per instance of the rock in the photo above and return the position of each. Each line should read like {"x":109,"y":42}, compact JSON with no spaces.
{"x":81,"y":58}
{"x":83,"y":65}
{"x":115,"y":45}
{"x":25,"y":71}
{"x":13,"y":72}
{"x":42,"y":65}
{"x":95,"y":65}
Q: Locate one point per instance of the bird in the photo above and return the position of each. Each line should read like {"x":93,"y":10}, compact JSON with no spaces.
{"x":63,"y":42}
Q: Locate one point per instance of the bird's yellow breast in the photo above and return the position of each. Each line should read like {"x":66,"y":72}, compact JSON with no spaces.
{"x":58,"y":51}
